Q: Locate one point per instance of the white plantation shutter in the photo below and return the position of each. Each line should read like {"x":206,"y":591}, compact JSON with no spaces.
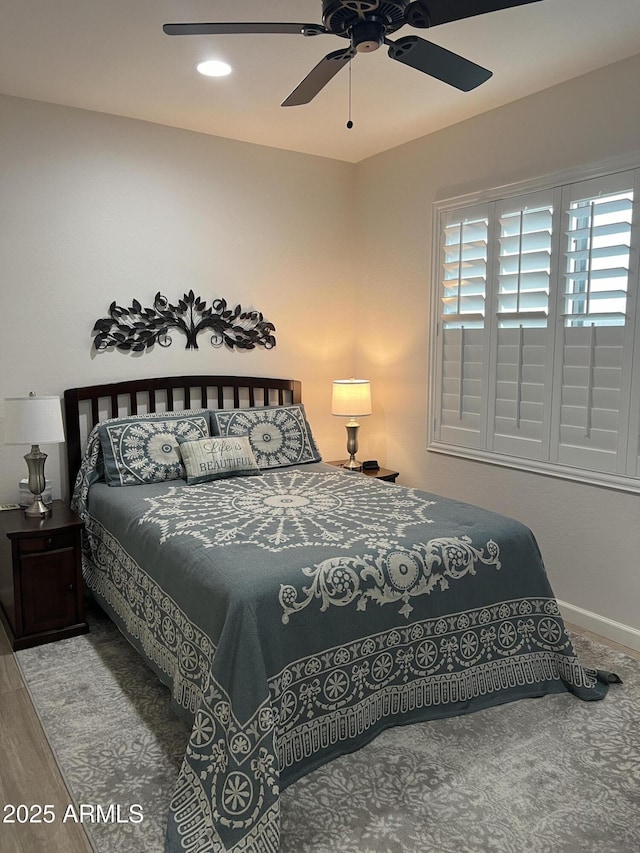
{"x":536,"y":321}
{"x":461,"y":414}
{"x":633,"y":465}
{"x":597,"y":228}
{"x":595,"y":330}
{"x":464,"y":269}
{"x":463,"y":286}
{"x":633,"y":454}
{"x":523,"y":249}
{"x":519,"y":403}
{"x":589,"y":397}
{"x":522,"y":357}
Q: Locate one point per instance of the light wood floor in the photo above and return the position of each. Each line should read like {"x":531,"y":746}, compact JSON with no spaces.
{"x":29,"y":773}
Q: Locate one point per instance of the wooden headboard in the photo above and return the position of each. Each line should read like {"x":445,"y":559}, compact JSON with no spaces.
{"x":85,"y":407}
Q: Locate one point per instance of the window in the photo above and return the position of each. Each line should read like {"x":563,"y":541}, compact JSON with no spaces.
{"x":535,"y":320}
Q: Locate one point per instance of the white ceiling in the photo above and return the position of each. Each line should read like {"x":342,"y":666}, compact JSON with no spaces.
{"x":112,"y":56}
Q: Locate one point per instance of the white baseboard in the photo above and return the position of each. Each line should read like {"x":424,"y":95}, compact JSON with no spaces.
{"x":605,"y":627}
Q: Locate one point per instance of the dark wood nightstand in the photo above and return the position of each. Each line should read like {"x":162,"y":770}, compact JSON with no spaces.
{"x":41,"y":587}
{"x":377,"y":473}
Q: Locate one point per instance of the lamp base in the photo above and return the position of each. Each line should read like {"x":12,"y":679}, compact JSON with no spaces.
{"x":38,"y":509}
{"x":352,"y":446}
{"x":35,"y":460}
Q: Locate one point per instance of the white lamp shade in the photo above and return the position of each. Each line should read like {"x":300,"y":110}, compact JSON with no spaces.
{"x":33,"y":420}
{"x":351,"y":398}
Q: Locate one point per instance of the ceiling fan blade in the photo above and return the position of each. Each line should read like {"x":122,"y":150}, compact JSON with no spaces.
{"x":444,"y":11}
{"x":231,"y":29}
{"x":438,"y":62}
{"x":319,"y":76}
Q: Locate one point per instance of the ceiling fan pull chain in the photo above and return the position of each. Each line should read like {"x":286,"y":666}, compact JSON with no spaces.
{"x":349,"y":123}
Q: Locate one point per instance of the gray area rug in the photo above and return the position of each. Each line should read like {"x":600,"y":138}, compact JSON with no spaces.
{"x":550,"y":775}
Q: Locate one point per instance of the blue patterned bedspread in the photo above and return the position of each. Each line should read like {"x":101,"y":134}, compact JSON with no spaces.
{"x":297,"y":614}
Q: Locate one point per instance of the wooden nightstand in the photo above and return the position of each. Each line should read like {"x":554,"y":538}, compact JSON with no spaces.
{"x":377,"y":473}
{"x":41,"y":587}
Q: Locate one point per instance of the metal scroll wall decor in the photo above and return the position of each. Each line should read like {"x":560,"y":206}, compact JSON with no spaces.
{"x":137,"y":328}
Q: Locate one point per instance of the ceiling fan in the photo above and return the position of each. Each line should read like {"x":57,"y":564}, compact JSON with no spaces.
{"x":366,"y":24}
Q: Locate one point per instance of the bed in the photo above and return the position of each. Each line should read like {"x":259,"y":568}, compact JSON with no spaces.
{"x":293,"y":609}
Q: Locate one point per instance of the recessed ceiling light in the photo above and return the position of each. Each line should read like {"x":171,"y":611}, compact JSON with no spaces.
{"x":213,"y":68}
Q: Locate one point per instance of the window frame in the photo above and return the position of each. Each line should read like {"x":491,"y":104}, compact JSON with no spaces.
{"x":558,"y":185}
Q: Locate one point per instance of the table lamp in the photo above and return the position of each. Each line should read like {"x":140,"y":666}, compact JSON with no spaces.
{"x":351,"y":399}
{"x":34,"y":420}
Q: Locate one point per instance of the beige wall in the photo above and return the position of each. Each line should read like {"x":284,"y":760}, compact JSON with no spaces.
{"x":95,"y":208}
{"x":590,"y":537}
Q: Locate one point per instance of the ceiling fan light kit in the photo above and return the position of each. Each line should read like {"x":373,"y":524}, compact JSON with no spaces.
{"x":367,"y":24}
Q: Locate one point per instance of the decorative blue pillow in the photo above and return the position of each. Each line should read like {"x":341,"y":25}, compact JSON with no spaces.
{"x":144,"y":448}
{"x":279,"y":435}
